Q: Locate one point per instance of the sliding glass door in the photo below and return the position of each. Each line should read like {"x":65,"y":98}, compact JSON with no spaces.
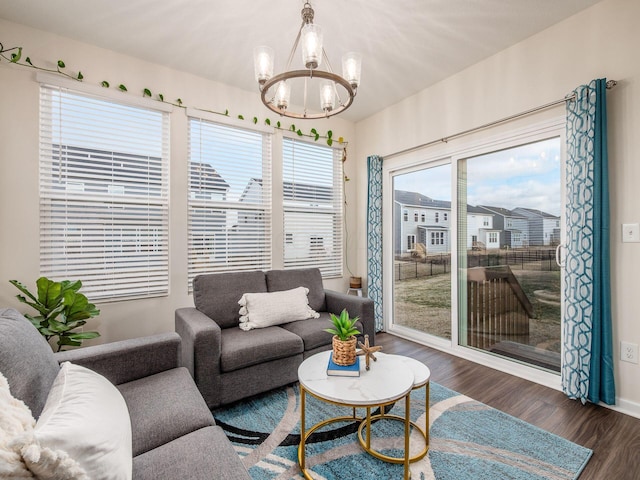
{"x":509,"y":226}
{"x":502,"y":222}
{"x":422,"y":237}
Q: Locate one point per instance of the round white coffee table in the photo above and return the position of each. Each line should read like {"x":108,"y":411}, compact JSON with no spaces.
{"x":388,"y":381}
{"x":421,"y":378}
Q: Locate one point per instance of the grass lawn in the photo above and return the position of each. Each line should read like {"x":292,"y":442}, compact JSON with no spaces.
{"x":424,"y":304}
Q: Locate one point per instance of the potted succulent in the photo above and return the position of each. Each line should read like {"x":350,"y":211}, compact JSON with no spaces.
{"x":62,"y":309}
{"x":344,"y":338}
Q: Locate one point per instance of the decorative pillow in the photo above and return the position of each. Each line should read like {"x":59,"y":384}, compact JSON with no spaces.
{"x":260,"y":310}
{"x":86,"y":417}
{"x":16,"y":429}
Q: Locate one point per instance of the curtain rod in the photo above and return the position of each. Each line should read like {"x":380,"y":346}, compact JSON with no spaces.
{"x":568,"y":98}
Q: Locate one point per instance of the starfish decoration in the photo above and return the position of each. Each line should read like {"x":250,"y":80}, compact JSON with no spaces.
{"x":368,"y":351}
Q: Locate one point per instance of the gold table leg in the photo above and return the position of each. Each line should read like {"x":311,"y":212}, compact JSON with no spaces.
{"x":303,"y":436}
{"x":366,"y":442}
{"x":407,"y":433}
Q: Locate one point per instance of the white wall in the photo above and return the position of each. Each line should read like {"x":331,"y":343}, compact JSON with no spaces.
{"x":601,"y":41}
{"x":19,"y":167}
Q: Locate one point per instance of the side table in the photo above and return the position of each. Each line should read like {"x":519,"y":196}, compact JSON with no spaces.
{"x":383,"y":385}
{"x":422,"y":376}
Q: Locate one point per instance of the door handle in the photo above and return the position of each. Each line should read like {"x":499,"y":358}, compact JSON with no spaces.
{"x":558,"y":256}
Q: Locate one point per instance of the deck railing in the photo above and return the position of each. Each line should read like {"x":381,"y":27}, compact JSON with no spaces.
{"x":497,"y":307}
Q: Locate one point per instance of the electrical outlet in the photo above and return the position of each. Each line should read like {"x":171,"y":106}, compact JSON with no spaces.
{"x":629,"y":352}
{"x":630,"y":232}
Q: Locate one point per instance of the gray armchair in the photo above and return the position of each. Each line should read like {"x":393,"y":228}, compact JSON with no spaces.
{"x":173,"y":432}
{"x":228,"y":363}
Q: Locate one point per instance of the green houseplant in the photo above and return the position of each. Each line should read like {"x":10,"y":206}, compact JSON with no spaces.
{"x":61,"y":308}
{"x":344,"y":338}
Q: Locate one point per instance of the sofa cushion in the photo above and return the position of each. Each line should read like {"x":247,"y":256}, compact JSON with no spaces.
{"x":26,"y":360}
{"x":164,"y":407}
{"x":217,"y":295}
{"x":242,"y":349}
{"x":85,"y":417}
{"x":260,"y":310}
{"x":312,"y":332}
{"x":201,"y":455}
{"x":278,"y":280}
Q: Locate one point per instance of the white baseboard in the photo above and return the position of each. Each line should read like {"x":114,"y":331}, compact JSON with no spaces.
{"x":624,"y":406}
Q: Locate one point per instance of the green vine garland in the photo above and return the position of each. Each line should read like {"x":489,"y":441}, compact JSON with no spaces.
{"x":14,"y":55}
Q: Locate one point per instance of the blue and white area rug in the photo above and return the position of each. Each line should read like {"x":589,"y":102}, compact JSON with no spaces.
{"x":469,"y":441}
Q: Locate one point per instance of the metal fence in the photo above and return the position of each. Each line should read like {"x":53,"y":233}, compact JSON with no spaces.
{"x":540,"y":259}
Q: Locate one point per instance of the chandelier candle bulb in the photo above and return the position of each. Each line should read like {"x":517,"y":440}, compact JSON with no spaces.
{"x":311,"y":46}
{"x":283,"y":93}
{"x":352,"y":68}
{"x":328,"y":96}
{"x":263,"y":63}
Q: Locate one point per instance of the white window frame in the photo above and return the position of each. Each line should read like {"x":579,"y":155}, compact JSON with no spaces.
{"x":230,"y":248}
{"x":117,"y":250}
{"x":296,"y":208}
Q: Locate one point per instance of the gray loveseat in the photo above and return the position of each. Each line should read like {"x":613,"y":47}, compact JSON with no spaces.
{"x":173,"y":432}
{"x":228,"y":363}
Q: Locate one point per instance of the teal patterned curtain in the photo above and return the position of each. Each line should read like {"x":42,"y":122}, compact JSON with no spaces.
{"x":587,"y":364}
{"x":374,"y":237}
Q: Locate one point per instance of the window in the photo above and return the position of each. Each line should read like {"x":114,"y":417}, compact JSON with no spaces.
{"x":104,"y":194}
{"x":423,"y":217}
{"x":437,"y":238}
{"x":415,"y":215}
{"x":229,"y":207}
{"x":288,"y":238}
{"x":485,"y":221}
{"x":493,"y":237}
{"x":405,"y":215}
{"x":445,"y":216}
{"x":312,"y":202}
{"x":437,"y":217}
{"x":411,"y":242}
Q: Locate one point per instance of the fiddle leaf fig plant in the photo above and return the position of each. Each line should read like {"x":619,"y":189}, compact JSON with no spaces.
{"x":344,"y":327}
{"x":61,"y":310}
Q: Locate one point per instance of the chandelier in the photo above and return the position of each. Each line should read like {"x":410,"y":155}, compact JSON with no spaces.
{"x":334,"y":92}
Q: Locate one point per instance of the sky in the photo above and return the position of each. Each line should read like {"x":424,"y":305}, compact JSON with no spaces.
{"x":526,"y":176}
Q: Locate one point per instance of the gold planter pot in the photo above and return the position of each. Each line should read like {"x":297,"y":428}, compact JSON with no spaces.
{"x":344,"y":352}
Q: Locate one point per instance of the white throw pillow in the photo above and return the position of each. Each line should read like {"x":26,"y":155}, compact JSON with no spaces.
{"x":16,"y":429}
{"x":86,"y":417}
{"x":260,"y":310}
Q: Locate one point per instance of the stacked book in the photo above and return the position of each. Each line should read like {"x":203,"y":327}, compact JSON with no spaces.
{"x":334,"y":369}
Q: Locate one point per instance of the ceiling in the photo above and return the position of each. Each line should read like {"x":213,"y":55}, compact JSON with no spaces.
{"x":406,"y":45}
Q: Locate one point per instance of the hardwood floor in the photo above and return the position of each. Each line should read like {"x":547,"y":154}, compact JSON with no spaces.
{"x":613,"y":436}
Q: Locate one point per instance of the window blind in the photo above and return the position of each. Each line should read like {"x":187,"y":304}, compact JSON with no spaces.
{"x":313,"y":206}
{"x":229,"y":206}
{"x":104,"y":195}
